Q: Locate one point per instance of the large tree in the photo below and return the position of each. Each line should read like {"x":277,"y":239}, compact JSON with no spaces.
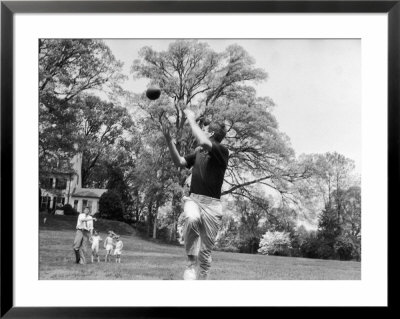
{"x":67,"y":69}
{"x":100,"y":126}
{"x":333,"y":193}
{"x":331,"y":175}
{"x":218,"y":86}
{"x":150,"y":176}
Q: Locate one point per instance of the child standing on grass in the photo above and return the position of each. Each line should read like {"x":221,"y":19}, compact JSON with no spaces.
{"x":109,"y":245}
{"x":95,"y":240}
{"x":118,"y":249}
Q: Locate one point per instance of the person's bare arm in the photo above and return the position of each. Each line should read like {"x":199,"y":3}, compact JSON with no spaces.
{"x":178,"y":160}
{"x":198,"y":133}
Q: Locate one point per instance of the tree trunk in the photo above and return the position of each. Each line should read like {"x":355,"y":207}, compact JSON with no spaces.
{"x":176,"y":211}
{"x":137,"y":205}
{"x":174,"y":229}
{"x":149,"y":218}
{"x":155,"y":228}
{"x":155,"y":221}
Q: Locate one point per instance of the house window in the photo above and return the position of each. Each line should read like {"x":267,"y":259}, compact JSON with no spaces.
{"x":84,"y":203}
{"x":46,"y":183}
{"x":76,"y":204}
{"x":45,"y":202}
{"x":61,"y":183}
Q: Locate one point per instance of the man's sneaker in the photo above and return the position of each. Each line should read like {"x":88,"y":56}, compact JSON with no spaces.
{"x":190,"y":273}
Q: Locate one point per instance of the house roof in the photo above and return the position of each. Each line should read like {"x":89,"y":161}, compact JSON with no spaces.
{"x":88,"y":192}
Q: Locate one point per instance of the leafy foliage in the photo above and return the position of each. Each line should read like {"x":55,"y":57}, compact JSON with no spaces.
{"x":69,"y":210}
{"x":67,"y":69}
{"x":110,"y":206}
{"x":275,"y":243}
{"x":101,"y":127}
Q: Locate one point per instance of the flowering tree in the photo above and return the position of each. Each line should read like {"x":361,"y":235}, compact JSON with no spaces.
{"x":275,"y":243}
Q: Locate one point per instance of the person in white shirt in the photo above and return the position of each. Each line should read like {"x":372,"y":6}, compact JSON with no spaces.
{"x":82,"y":235}
{"x":118,"y":249}
{"x":95,"y":240}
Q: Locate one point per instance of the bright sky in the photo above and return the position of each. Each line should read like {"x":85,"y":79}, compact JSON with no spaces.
{"x":315,"y":84}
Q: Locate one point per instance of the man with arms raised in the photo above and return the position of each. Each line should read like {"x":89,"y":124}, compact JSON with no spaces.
{"x":202,"y":209}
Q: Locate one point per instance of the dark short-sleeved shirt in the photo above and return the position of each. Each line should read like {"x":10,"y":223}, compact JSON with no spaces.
{"x":208,"y":170}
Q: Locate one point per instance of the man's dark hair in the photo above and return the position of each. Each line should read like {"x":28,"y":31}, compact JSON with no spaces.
{"x":218,"y":131}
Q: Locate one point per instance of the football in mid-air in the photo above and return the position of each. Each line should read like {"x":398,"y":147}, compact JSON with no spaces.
{"x":153,"y":93}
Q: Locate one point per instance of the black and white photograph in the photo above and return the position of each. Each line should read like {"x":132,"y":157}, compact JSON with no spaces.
{"x":199,"y":159}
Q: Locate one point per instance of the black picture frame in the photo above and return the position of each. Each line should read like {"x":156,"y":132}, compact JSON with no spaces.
{"x":9,"y":8}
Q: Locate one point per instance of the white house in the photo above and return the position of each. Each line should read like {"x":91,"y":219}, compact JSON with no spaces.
{"x":62,"y":186}
{"x":90,"y":197}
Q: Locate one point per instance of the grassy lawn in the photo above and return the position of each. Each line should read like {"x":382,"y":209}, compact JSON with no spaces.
{"x":148,"y":260}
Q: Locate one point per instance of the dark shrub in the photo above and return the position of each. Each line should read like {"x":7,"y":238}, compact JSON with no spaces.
{"x":248,"y":245}
{"x":110,"y":206}
{"x":345,"y":248}
{"x":68,"y":210}
{"x":309,"y":248}
{"x":326,"y":250}
{"x":164,"y":234}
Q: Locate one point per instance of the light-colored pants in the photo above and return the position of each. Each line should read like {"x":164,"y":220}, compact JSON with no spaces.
{"x":81,"y":241}
{"x":201,"y":223}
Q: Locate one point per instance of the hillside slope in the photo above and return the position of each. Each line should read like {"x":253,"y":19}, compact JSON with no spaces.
{"x":61,"y":222}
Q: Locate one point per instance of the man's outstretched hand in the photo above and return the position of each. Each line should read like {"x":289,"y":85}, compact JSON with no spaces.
{"x":165,"y":131}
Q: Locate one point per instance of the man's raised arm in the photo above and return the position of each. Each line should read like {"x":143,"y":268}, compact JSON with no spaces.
{"x":178,"y":160}
{"x":198,"y":133}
